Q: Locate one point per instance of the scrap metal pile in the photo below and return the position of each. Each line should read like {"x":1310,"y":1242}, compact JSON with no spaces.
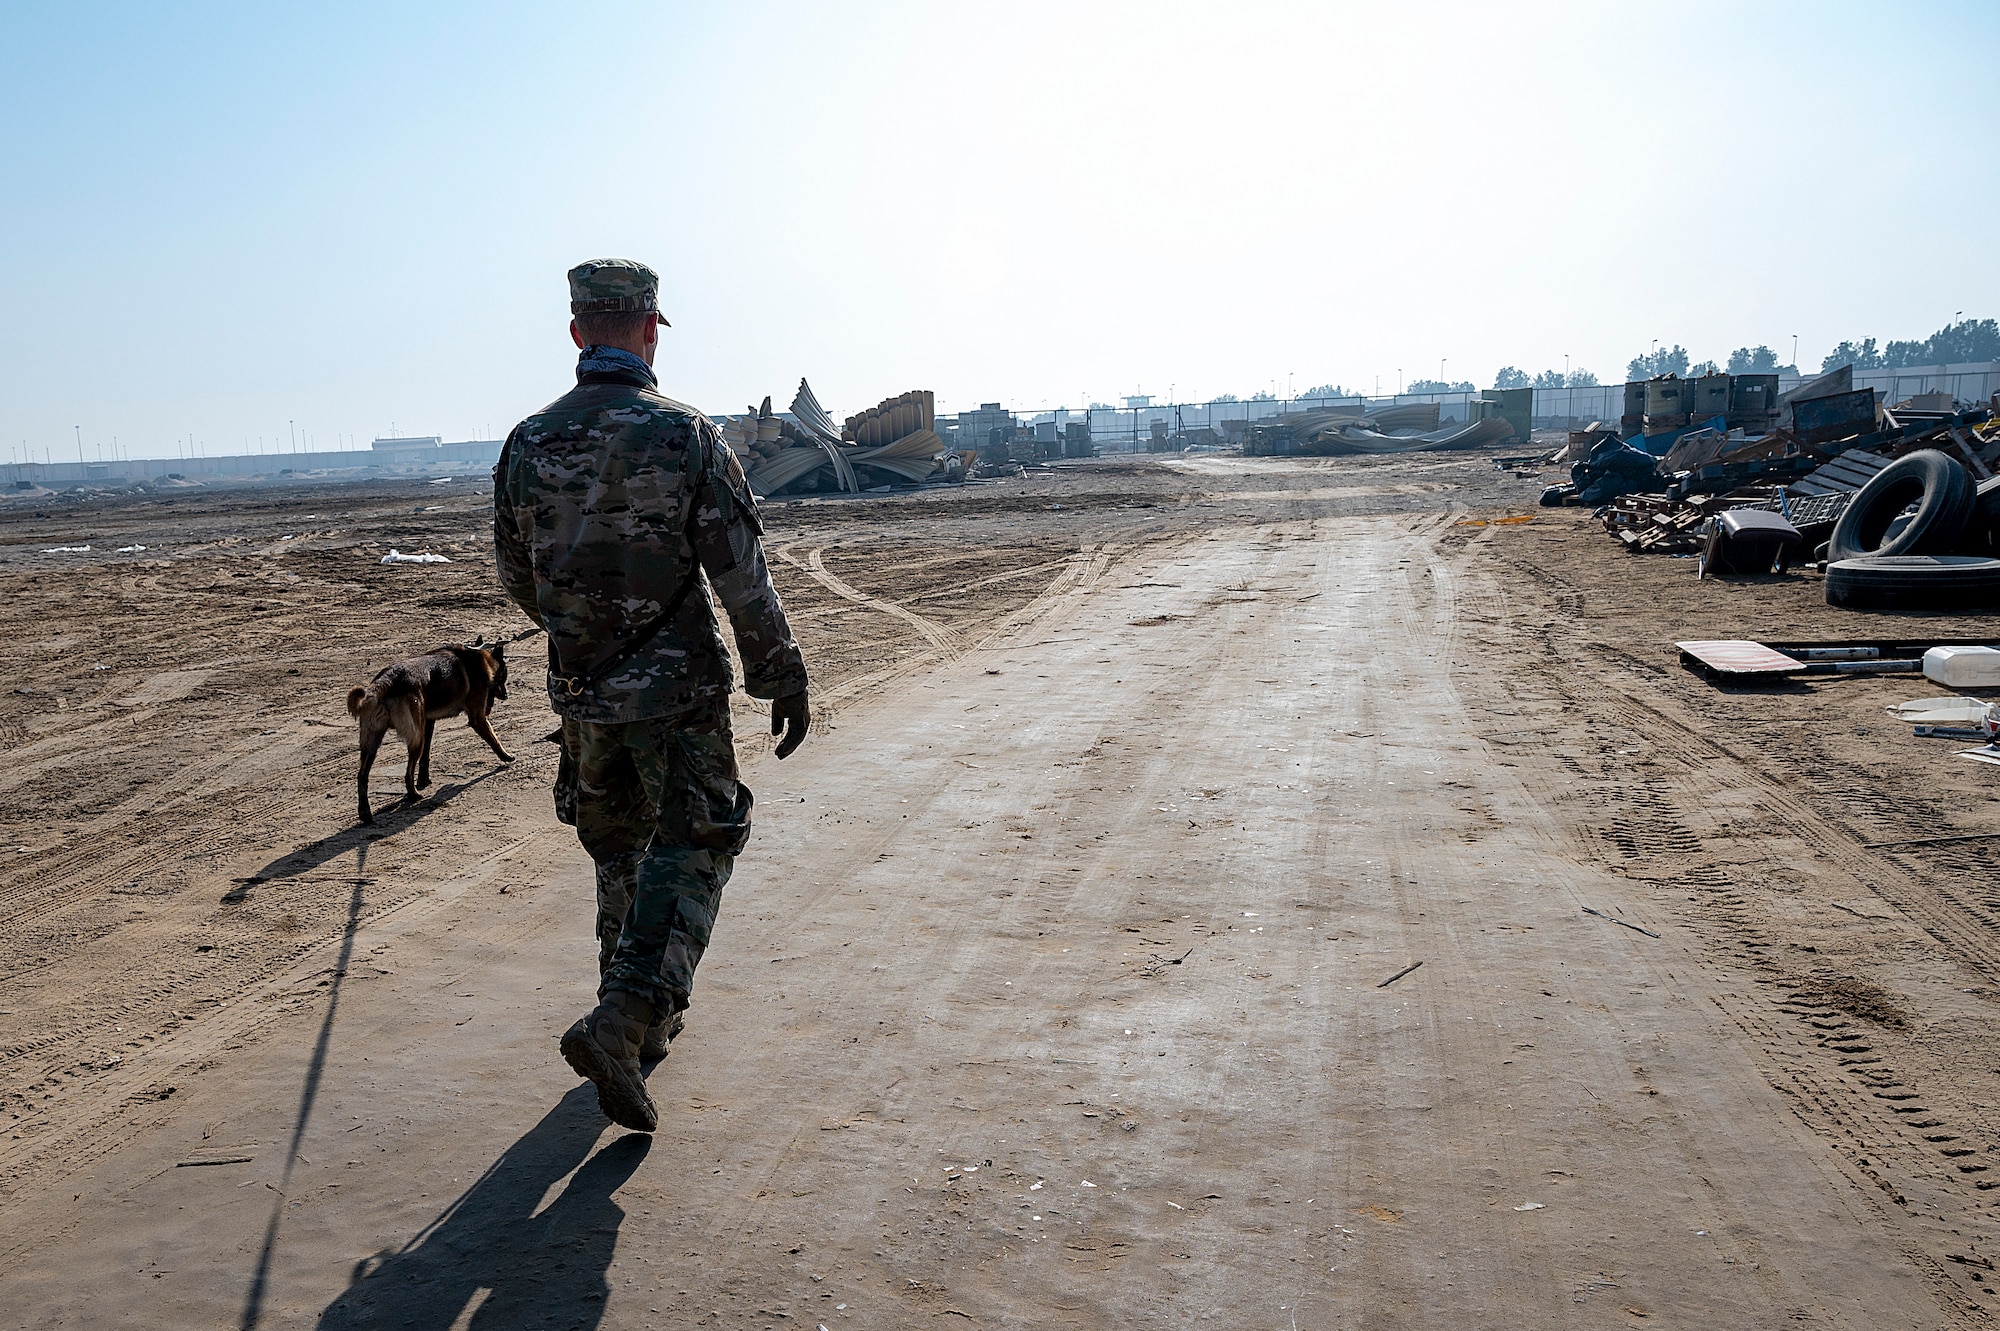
{"x":1346,"y":431}
{"x":1899,"y":501}
{"x":895,"y":441}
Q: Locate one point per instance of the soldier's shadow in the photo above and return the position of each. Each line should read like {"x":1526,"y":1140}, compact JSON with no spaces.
{"x":492,"y":1252}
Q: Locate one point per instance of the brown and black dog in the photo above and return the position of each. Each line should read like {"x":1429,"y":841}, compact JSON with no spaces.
{"x":413,"y":695}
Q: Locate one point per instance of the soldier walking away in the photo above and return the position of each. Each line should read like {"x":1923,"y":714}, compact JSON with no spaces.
{"x":616,"y":511}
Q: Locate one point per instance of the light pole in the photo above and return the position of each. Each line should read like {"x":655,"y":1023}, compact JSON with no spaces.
{"x":79,"y":445}
{"x":1795,"y":353}
{"x":1565,"y":369}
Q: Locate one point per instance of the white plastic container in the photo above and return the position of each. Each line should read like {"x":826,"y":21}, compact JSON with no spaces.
{"x":1963,"y":667}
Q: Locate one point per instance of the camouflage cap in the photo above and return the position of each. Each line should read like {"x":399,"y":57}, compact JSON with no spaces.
{"x":605,"y":285}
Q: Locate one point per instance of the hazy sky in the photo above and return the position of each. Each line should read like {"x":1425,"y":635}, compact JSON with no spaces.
{"x":218,"y":219}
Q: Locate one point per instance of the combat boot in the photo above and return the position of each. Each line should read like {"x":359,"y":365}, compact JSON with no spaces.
{"x":604,"y":1046}
{"x":661,"y":1034}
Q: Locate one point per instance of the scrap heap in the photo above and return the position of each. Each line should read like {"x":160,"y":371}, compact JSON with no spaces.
{"x":898,"y":436}
{"x":1688,"y":450}
{"x":1409,"y":428}
{"x":894,"y":441}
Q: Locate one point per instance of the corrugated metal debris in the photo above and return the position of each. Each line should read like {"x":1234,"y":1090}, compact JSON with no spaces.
{"x":1409,"y":428}
{"x":803,"y":450}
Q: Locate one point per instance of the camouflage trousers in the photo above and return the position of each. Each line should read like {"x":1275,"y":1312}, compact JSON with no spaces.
{"x":658,"y":806}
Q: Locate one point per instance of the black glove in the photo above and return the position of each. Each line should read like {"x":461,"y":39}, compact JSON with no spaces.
{"x":791,"y":718}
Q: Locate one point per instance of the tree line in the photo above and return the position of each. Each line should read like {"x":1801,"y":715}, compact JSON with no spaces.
{"x":1674,"y":360}
{"x":1962,"y":342}
{"x":1969,"y":340}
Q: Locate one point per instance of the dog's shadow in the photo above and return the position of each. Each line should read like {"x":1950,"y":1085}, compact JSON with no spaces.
{"x":395,"y":818}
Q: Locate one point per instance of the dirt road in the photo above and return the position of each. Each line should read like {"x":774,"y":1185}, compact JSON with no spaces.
{"x":1067,"y":981}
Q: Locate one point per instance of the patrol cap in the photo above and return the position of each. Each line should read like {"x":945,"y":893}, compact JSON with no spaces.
{"x":610,"y":285}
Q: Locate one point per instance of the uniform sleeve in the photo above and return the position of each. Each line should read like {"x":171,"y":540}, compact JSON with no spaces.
{"x":724,"y":531}
{"x":510,"y":537}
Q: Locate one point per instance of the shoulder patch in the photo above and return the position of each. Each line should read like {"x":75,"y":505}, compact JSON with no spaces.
{"x":734,"y":471}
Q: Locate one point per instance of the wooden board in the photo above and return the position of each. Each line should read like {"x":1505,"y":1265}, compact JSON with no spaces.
{"x":1737,"y":658}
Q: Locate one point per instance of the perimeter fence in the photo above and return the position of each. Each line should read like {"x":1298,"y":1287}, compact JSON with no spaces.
{"x":1130,"y":427}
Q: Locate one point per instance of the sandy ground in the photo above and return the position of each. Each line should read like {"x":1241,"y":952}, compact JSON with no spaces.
{"x":1066,"y":979}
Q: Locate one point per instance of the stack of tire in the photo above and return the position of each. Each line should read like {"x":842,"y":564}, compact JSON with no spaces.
{"x":1920,"y":535}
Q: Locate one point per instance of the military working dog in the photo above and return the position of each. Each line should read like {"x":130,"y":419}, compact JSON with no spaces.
{"x":412,"y":695}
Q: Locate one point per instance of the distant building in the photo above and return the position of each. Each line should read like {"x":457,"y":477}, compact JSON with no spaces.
{"x":415,"y":441}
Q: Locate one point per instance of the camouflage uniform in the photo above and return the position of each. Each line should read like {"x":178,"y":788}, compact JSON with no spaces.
{"x":616,"y":507}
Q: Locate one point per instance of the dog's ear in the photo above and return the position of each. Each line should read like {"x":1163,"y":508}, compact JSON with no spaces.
{"x":499,"y":650}
{"x":478,"y":640}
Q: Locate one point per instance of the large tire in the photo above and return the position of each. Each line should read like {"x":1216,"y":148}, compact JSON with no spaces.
{"x":1914,"y":582}
{"x":1940,"y":488}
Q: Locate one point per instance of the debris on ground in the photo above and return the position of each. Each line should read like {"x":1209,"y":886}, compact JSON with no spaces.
{"x":1948,"y":711}
{"x":1914,"y":582}
{"x":893,"y":442}
{"x":1897,"y":503}
{"x":426,"y":557}
{"x":1613,"y":467}
{"x":1953,"y":665}
{"x":1748,"y":540}
{"x":1399,"y":975}
{"x":1953,"y":718}
{"x":1636,"y":928}
{"x":1963,"y":667}
{"x":1738,"y":661}
{"x":1409,"y":428}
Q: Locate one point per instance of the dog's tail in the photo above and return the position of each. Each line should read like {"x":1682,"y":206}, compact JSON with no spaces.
{"x":387,"y":686}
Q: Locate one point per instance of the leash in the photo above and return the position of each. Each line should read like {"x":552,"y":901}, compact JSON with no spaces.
{"x":480,"y":641}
